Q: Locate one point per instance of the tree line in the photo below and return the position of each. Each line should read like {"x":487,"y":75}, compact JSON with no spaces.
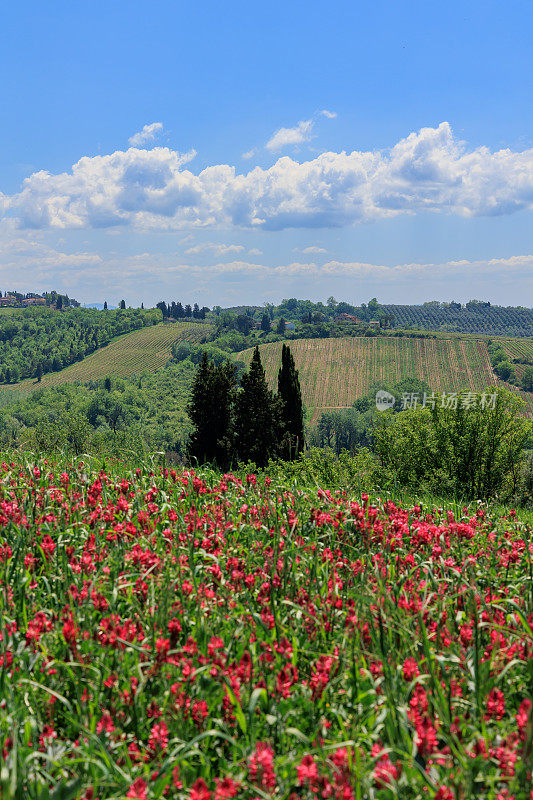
{"x":34,"y":341}
{"x":179,"y":311}
{"x":247,"y":422}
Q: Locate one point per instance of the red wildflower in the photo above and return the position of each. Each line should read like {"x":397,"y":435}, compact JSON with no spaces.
{"x":261,"y":767}
{"x":158,"y":740}
{"x":199,"y":790}
{"x":307,"y":771}
{"x":226,"y":788}
{"x":495,"y":705}
{"x":138,"y":789}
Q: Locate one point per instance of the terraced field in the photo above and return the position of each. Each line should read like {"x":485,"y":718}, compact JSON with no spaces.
{"x":145,"y":350}
{"x":518,"y":348}
{"x":334,"y":372}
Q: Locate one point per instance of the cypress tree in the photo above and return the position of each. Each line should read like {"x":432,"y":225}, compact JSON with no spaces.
{"x":257,"y":416}
{"x":265,"y":323}
{"x":211,"y":413}
{"x":290,"y":394}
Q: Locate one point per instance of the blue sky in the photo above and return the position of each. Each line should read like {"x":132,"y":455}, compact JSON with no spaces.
{"x":248,"y":152}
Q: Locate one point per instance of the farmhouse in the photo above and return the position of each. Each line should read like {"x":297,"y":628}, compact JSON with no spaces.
{"x":374,"y":323}
{"x":346,"y":319}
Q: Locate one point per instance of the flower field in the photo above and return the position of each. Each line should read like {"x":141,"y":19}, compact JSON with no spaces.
{"x":206,"y":636}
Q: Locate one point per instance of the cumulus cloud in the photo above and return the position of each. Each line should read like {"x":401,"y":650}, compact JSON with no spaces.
{"x":164,"y":265}
{"x":147,"y":135}
{"x":313,"y":249}
{"x":301,"y":133}
{"x":290,"y":136}
{"x":428,"y":171}
{"x":216,"y":249}
{"x":249,"y":153}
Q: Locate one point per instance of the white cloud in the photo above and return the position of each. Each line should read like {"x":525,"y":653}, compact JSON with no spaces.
{"x":255,"y":252}
{"x":249,"y":153}
{"x":301,"y":133}
{"x":428,"y":171}
{"x":283,"y":137}
{"x":216,"y":249}
{"x":146,"y":264}
{"x":313,"y":249}
{"x":148,"y":134}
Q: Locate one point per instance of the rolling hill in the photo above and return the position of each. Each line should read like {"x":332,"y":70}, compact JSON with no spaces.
{"x":334,"y":372}
{"x":144,"y":350}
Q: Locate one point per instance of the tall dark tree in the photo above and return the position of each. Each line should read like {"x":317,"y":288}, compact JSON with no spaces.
{"x":211,"y":413}
{"x":265,"y":322}
{"x":244,"y":324}
{"x":39,"y":372}
{"x":105,"y":305}
{"x":281,"y":326}
{"x":123,"y":304}
{"x":59,"y":302}
{"x":290,"y":395}
{"x":257,"y":416}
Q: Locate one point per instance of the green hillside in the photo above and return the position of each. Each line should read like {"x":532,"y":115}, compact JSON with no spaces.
{"x":144,"y":350}
{"x":334,"y":372}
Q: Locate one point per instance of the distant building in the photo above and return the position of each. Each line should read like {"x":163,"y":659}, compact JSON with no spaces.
{"x":34,"y":301}
{"x":374,"y":323}
{"x":346,"y":319}
{"x":7,"y":301}
{"x":290,"y":326}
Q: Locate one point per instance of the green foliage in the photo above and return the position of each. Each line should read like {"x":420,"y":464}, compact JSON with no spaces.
{"x":290,"y":395}
{"x":476,"y":317}
{"x":505,"y":371}
{"x":265,"y":323}
{"x":37,"y":340}
{"x":258,"y":416}
{"x":146,"y":412}
{"x":343,"y":430}
{"x":527,"y":379}
{"x":211,"y":413}
{"x":469,"y":452}
{"x":326,"y":469}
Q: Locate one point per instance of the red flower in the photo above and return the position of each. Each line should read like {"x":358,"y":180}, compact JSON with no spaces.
{"x":495,"y":705}
{"x":410,"y":669}
{"x":307,"y":771}
{"x":199,"y":790}
{"x":226,"y":788}
{"x":158,"y":740}
{"x":138,"y":789}
{"x":261,"y":767}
